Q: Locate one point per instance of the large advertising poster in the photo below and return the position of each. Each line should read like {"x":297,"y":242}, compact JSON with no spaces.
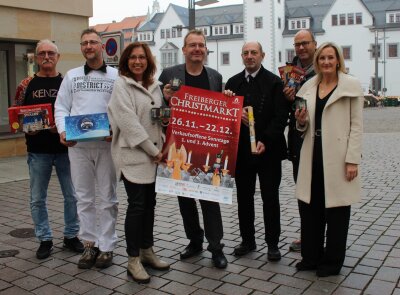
{"x":201,"y":145}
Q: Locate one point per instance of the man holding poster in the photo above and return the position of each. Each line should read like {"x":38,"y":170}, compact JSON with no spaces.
{"x":193,"y":73}
{"x":262,"y":91}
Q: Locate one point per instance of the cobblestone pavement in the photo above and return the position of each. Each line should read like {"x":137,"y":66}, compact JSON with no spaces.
{"x":372,"y":265}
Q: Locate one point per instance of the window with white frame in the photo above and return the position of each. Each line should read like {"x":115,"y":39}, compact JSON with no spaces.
{"x":393,"y":17}
{"x":344,"y":19}
{"x":238,"y":29}
{"x":359,"y":18}
{"x":393,"y":50}
{"x":290,"y":54}
{"x":167,"y":33}
{"x":279,"y":22}
{"x":258,"y":22}
{"x":162,"y":34}
{"x":221,"y":30}
{"x":144,"y":37}
{"x":346,"y":50}
{"x":225,"y":58}
{"x":169,"y":58}
{"x":173,"y":32}
{"x":297,"y":24}
{"x":350,"y":18}
{"x":280,"y":56}
{"x":204,"y":30}
{"x":334,"y":20}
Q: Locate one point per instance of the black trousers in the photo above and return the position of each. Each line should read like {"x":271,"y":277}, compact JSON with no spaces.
{"x":139,"y":220}
{"x":212,"y":219}
{"x":295,"y":142}
{"x":318,"y":221}
{"x":269,"y":174}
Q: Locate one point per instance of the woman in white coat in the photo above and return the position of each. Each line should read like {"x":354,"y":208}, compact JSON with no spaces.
{"x":137,"y":141}
{"x":328,"y":181}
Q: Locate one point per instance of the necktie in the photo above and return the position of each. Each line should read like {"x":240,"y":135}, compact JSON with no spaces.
{"x":250,"y":79}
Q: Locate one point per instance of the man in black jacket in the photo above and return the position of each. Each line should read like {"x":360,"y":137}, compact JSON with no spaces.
{"x":305,"y":47}
{"x":193,"y":73}
{"x":264,"y":92}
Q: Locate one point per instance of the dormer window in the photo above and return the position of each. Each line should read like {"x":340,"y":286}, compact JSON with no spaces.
{"x":393,"y":17}
{"x":299,"y":23}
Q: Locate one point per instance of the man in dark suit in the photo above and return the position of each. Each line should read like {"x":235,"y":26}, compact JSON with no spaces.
{"x":263,"y":91}
{"x":194,"y":73}
{"x":305,"y":47}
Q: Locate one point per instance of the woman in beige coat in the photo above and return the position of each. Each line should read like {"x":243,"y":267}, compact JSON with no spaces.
{"x":328,"y":181}
{"x":136,"y":148}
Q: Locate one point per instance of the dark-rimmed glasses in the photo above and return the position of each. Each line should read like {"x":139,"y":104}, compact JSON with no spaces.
{"x":304,"y":44}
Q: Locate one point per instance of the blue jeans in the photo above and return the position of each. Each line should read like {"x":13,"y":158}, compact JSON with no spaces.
{"x":40,"y":168}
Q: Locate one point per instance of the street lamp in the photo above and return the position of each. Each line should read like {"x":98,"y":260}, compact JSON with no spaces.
{"x":192,"y":11}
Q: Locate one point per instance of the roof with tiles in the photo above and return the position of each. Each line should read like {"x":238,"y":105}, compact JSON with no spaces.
{"x":204,"y":17}
{"x":317,"y":10}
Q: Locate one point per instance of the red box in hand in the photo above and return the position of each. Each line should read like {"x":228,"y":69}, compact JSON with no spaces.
{"x":31,"y":118}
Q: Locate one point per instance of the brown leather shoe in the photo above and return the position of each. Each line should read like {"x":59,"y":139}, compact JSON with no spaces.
{"x":104,"y":259}
{"x":88,"y":258}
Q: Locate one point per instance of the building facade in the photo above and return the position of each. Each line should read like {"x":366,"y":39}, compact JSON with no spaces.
{"x":356,"y":26}
{"x":22,"y":24}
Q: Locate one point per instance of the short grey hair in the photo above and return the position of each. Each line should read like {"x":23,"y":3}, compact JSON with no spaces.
{"x":46,"y":41}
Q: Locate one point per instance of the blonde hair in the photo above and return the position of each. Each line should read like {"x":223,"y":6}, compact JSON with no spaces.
{"x":339,"y":56}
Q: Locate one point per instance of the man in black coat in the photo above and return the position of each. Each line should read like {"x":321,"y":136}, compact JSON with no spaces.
{"x":305,"y":47}
{"x":264,"y":92}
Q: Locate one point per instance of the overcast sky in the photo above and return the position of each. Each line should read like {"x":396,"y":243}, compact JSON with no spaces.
{"x":105,"y":11}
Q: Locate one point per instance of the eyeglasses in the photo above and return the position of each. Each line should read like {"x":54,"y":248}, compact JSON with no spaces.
{"x":50,"y":54}
{"x":91,"y":42}
{"x":304,"y":44}
{"x":139,"y":57}
{"x":194,"y":45}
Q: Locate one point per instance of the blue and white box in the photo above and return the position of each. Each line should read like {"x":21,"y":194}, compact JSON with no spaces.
{"x":87,"y":127}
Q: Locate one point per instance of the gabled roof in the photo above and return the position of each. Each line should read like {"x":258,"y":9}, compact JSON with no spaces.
{"x":152,"y":24}
{"x":301,"y":12}
{"x":204,"y":17}
{"x":101,"y":27}
{"x":219,"y":15}
{"x":379,"y":9}
{"x":169,"y":45}
{"x":131,"y":22}
{"x":316,"y":9}
{"x":394,"y":6}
